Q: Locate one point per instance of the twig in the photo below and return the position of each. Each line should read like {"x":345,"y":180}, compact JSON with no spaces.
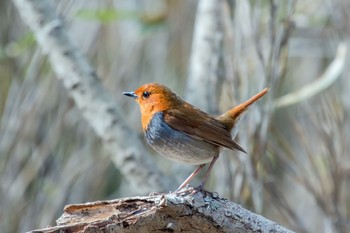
{"x":91,"y":98}
{"x":330,"y":75}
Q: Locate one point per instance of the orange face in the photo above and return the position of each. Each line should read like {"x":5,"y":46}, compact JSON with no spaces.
{"x":153,"y":98}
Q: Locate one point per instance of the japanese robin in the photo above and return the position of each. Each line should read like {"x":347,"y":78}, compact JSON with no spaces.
{"x":184,"y":133}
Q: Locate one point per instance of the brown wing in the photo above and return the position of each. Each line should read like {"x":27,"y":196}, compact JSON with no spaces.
{"x":200,"y":125}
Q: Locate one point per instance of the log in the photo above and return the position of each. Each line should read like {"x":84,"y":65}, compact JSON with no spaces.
{"x":186,"y":211}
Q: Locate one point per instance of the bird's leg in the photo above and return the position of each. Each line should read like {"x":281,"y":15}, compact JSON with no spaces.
{"x":190,"y":177}
{"x":201,"y":186}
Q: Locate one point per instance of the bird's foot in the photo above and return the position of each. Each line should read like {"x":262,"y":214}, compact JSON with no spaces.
{"x":189,"y":190}
{"x":200,"y":188}
{"x":186,"y":190}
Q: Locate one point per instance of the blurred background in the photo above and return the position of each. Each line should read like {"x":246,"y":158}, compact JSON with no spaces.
{"x":298,"y":166}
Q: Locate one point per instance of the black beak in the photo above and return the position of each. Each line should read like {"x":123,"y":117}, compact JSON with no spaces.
{"x":130,"y":94}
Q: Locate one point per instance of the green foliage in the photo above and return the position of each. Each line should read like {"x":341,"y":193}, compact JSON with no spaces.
{"x":107,"y":15}
{"x":148,"y":23}
{"x":18,"y":47}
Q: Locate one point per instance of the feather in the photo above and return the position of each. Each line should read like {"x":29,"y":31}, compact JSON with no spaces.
{"x":200,"y":125}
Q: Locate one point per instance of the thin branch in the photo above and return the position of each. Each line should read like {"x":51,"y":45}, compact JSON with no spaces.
{"x":331,"y":74}
{"x":91,"y":98}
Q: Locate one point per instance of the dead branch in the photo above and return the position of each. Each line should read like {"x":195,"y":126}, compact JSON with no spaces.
{"x":199,"y":212}
{"x":91,"y":98}
{"x":205,"y":72}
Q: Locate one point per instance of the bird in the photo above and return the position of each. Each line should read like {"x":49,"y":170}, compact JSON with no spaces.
{"x":183,"y":132}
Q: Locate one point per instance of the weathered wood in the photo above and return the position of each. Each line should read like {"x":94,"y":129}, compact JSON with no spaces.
{"x":185,"y":212}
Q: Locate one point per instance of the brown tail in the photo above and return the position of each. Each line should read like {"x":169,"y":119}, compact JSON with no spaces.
{"x":231,"y":117}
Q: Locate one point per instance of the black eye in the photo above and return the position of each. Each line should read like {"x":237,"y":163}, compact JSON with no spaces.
{"x":145,"y":94}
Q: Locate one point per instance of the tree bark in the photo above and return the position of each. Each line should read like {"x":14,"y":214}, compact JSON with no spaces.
{"x":91,"y":98}
{"x":185,"y":212}
{"x":206,"y":72}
